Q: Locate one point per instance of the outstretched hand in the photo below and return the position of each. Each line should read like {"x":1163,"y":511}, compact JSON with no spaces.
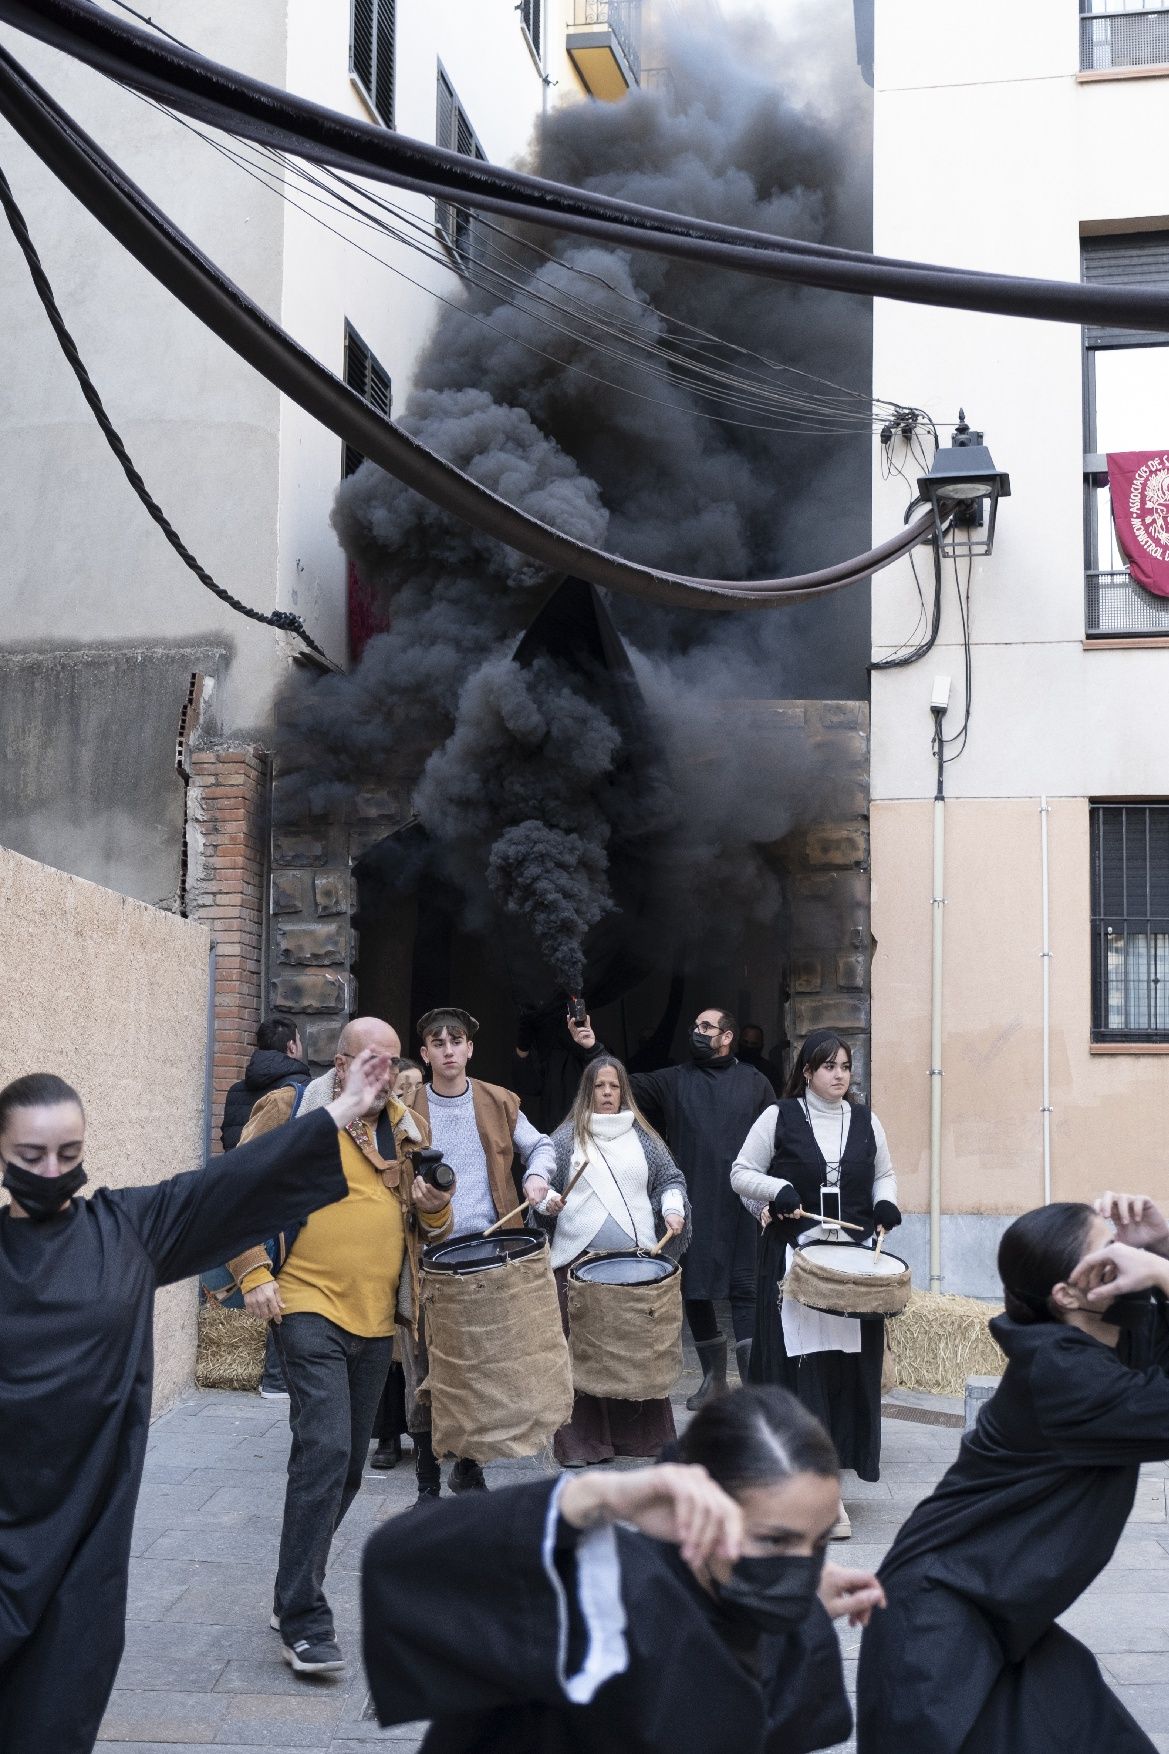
{"x":855,"y":1593}
{"x":671,"y":1502}
{"x":1139,"y":1223}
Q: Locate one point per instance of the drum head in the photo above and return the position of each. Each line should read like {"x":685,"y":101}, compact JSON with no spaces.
{"x":478,"y":1254}
{"x":624,"y":1269}
{"x":847,"y":1257}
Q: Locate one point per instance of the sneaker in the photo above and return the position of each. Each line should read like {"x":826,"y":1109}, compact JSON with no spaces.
{"x":308,"y":1656}
{"x":842,"y":1530}
{"x":274,"y":1621}
{"x":467,"y":1476}
{"x":267,"y":1394}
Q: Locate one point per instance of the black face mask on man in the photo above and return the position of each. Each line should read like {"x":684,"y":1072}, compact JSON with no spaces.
{"x":42,"y":1196}
{"x":774,"y":1594}
{"x":701,"y":1048}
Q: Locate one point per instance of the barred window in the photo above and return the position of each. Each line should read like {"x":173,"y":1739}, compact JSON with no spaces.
{"x":532,"y":18}
{"x":371,"y":54}
{"x":454,"y":131}
{"x":364,"y":373}
{"x":1123,"y":33}
{"x":1130,"y":922}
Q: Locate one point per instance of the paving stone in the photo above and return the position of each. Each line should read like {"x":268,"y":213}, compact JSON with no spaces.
{"x":163,"y":1715}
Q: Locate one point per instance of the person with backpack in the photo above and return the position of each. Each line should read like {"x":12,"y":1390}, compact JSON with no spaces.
{"x":278,"y":1060}
{"x":336,"y":1299}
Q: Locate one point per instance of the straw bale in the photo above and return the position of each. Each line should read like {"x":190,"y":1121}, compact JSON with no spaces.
{"x":231,"y":1349}
{"x":940,"y":1340}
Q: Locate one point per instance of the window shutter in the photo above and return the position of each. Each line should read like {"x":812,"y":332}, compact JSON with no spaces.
{"x":532,"y":13}
{"x":371,"y":381}
{"x":1138,"y":258}
{"x":361,"y":35}
{"x":383,"y":87}
{"x":446,"y":135}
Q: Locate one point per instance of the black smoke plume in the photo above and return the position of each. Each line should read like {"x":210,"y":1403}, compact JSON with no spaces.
{"x":513,"y":771}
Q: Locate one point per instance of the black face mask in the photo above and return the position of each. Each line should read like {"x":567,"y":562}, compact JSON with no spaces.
{"x":1127,"y":1311}
{"x":701,"y":1048}
{"x":774,"y":1594}
{"x":42,"y":1196}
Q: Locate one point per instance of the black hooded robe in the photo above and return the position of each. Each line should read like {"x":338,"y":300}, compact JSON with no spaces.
{"x":705,"y":1112}
{"x":967,"y":1658}
{"x":76,"y":1370}
{"x":481,"y":1614}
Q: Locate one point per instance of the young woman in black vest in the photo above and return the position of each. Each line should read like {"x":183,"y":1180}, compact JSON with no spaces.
{"x":818,"y":1136}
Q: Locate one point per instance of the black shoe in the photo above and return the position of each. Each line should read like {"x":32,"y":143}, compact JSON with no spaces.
{"x":467,"y":1476}
{"x":712,"y":1355}
{"x":314,"y":1656}
{"x":387,"y":1455}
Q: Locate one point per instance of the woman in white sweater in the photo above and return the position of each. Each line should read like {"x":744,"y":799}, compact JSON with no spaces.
{"x":629,"y":1194}
{"x":819,"y":1138}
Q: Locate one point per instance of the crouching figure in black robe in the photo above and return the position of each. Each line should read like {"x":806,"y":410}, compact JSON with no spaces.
{"x":668,"y":1610}
{"x":968,"y":1659}
{"x":77,"y":1284}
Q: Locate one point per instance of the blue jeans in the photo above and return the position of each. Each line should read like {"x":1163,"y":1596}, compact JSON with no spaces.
{"x":335,"y":1381}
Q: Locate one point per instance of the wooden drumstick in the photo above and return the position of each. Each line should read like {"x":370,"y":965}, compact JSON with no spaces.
{"x":880,"y":1240}
{"x":508,"y":1216}
{"x":661,"y":1243}
{"x":818,"y":1218}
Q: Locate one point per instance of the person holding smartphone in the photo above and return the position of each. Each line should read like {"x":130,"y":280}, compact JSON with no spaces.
{"x":815,"y":1156}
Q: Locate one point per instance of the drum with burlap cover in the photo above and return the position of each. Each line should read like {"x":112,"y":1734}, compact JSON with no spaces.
{"x":500,"y":1383}
{"x":840,"y":1278}
{"x":625,"y":1325}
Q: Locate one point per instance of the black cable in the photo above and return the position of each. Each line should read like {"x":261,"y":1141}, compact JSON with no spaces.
{"x":170,"y":256}
{"x":927,"y":645}
{"x":230,"y":100}
{"x":283,"y":619}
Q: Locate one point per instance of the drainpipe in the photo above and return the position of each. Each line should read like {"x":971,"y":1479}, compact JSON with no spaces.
{"x":209,"y":1063}
{"x":938,"y":706}
{"x":1045,"y":959}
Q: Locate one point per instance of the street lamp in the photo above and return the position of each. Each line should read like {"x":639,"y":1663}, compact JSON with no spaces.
{"x":962,"y":479}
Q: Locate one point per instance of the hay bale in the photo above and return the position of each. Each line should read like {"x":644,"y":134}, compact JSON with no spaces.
{"x":939,"y":1341}
{"x":230,"y":1353}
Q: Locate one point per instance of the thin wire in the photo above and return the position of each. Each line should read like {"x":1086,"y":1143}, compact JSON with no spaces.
{"x":279,"y":618}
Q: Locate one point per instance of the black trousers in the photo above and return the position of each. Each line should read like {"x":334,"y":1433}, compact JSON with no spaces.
{"x":702,"y":1319}
{"x":335,"y":1381}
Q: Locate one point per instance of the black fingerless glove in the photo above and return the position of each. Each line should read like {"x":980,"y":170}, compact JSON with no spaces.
{"x":885,"y":1215}
{"x":785,"y":1203}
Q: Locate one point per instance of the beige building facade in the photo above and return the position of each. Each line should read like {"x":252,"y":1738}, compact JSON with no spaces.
{"x":1025,"y":141}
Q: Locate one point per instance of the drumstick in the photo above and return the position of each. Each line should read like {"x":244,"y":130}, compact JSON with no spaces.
{"x":818,"y":1218}
{"x":508,"y":1216}
{"x":661,"y":1243}
{"x":880,"y":1240}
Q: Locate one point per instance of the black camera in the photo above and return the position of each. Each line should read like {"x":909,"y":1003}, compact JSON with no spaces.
{"x":578,"y":1011}
{"x":430,"y":1166}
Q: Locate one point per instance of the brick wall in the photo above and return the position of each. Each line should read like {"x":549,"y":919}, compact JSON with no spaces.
{"x":227,"y":829}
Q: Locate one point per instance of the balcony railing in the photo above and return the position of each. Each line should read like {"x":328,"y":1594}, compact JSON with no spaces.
{"x":1115,"y":607}
{"x":622,"y":17}
{"x":1139,"y":38}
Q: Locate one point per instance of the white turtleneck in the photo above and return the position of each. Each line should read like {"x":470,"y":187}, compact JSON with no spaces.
{"x":830,"y":1123}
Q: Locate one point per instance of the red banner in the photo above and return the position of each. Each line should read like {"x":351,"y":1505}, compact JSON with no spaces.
{"x":1138,"y":482}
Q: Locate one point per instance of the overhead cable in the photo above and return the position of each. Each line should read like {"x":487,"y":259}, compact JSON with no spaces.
{"x":170,"y":256}
{"x":237,"y":104}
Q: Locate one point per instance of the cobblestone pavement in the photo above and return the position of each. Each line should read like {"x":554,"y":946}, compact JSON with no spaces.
{"x":202,"y":1668}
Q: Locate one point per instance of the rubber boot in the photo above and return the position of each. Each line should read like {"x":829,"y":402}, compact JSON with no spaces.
{"x":712,"y":1355}
{"x":743,"y":1358}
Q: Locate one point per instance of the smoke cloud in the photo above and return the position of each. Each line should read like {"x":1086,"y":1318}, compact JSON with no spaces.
{"x":520,"y":774}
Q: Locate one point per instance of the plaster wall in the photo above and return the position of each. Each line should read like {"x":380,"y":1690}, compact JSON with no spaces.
{"x":985,"y":101}
{"x":112,"y":995}
{"x":1106,"y":1106}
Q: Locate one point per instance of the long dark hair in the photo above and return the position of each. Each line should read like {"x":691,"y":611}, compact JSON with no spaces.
{"x":35,"y":1090}
{"x":818,"y":1049}
{"x":1037,"y":1252}
{"x":754,"y":1437}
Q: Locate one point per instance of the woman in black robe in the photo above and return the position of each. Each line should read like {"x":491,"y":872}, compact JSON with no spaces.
{"x":77,"y":1284}
{"x":968,"y":1659}
{"x":666,"y":1610}
{"x":820,"y":1137}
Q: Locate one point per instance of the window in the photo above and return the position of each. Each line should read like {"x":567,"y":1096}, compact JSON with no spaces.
{"x":1126,"y":408}
{"x":371,"y":54}
{"x":365,"y":374}
{"x":1123,"y":33}
{"x":1130,"y":922}
{"x":454,"y":131}
{"x":532,"y":19}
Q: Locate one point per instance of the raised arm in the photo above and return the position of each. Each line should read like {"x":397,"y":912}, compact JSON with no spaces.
{"x":200,"y":1219}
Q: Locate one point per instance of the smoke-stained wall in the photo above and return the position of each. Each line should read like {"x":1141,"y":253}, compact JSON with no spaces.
{"x":535,"y":390}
